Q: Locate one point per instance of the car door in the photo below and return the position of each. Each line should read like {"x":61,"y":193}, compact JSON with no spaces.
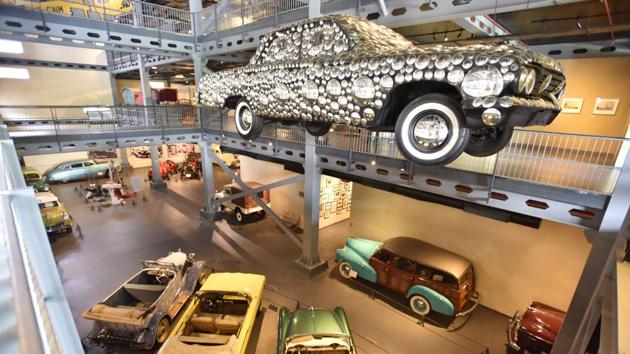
{"x":401,"y":275}
{"x":74,"y":171}
{"x":380,"y":261}
{"x":90,"y":169}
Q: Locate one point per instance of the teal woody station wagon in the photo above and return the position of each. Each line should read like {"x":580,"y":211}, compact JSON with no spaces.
{"x":431,"y":278}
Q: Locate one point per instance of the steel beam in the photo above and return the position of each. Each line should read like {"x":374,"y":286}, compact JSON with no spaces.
{"x":208,"y":179}
{"x":149,"y":60}
{"x":600,"y":264}
{"x":52,"y":64}
{"x":255,"y":196}
{"x":112,"y":36}
{"x":309,"y":260}
{"x":280,"y":183}
{"x":156,"y":181}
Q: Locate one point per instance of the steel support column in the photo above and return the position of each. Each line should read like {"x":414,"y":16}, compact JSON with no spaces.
{"x":309,"y":260}
{"x":587,"y":303}
{"x":156,"y":181}
{"x":208,"y":180}
{"x":145,"y":86}
{"x":123,"y":154}
{"x":314,"y":8}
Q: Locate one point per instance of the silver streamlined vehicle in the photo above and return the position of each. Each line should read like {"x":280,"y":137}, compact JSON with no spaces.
{"x":440,"y":101}
{"x":140,"y":312}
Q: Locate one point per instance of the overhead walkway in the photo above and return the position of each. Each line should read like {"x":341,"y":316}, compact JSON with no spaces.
{"x":562,"y":177}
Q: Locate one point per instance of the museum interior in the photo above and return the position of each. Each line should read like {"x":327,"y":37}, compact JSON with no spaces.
{"x":352,"y":176}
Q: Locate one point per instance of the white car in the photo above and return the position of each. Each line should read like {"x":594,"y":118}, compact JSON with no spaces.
{"x":244,"y":205}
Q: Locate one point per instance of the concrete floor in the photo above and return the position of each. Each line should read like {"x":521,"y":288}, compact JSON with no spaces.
{"x":113,"y":241}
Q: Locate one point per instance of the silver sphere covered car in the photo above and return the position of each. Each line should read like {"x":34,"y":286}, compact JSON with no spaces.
{"x":439,"y":100}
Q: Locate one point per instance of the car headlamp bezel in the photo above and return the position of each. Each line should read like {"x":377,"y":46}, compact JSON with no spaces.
{"x":472,"y":84}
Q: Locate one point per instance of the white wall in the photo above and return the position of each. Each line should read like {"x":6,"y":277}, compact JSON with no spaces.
{"x":514,"y":264}
{"x":58,"y":86}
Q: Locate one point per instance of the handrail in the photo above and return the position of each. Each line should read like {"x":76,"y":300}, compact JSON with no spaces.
{"x":572,"y":161}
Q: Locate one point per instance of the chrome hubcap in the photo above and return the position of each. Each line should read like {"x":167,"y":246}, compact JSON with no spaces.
{"x":430,"y":131}
{"x":420,"y":305}
{"x":345,"y":269}
{"x":246,"y":118}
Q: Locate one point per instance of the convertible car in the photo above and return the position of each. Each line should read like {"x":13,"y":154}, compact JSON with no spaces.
{"x":314,"y":331}
{"x":139,"y":313}
{"x":220,"y":316}
{"x":431,"y":278}
{"x":440,"y":101}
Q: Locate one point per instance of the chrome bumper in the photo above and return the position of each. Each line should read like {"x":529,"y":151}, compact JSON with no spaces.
{"x":475,"y":301}
{"x":511,"y":330}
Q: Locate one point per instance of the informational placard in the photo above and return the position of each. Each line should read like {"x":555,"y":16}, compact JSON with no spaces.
{"x":136,"y":184}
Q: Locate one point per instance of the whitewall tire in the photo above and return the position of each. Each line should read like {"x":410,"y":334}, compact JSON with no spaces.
{"x":420,"y":305}
{"x":431,"y":130}
{"x":345,"y":269}
{"x":248,"y":125}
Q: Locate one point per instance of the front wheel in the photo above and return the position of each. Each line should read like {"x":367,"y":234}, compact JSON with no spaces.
{"x":239,"y":215}
{"x":318,"y":129}
{"x":431,"y":130}
{"x":247,"y":124}
{"x":488,"y":141}
{"x":419,"y":305}
{"x":345,"y":269}
{"x":163,"y":330}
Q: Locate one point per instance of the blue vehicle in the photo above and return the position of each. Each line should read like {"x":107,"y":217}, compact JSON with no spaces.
{"x":79,"y":170}
{"x":430,"y":277}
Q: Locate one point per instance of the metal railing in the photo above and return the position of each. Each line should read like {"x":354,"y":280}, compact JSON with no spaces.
{"x":136,"y":13}
{"x":236,"y":13}
{"x":59,"y":120}
{"x":580,"y":162}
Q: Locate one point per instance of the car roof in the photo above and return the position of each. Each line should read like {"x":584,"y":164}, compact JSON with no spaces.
{"x":428,"y":255}
{"x":313,"y":321}
{"x":72,"y":161}
{"x":45,"y":197}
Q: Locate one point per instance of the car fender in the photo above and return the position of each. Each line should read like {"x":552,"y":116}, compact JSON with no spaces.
{"x":357,"y":262}
{"x":439,"y":303}
{"x":283,"y":324}
{"x":151,"y":331}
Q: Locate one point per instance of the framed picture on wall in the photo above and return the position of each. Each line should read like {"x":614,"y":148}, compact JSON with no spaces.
{"x":572,"y":105}
{"x":606,"y":106}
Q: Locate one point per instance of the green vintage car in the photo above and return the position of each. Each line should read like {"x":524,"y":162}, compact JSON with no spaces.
{"x":314,"y":331}
{"x":55,"y":216}
{"x":33,"y":178}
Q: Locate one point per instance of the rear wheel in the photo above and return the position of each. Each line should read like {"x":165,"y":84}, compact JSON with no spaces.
{"x":318,"y":129}
{"x":345,"y":269}
{"x":488,"y":141}
{"x":419,"y":305}
{"x":239,"y":215}
{"x":247,"y":124}
{"x":431,"y":130}
{"x":162,"y":331}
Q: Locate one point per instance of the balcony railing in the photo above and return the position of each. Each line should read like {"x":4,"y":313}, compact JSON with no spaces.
{"x":580,"y":162}
{"x":132,"y":13}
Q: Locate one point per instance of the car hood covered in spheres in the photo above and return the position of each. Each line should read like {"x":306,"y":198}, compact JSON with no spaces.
{"x":364,"y":247}
{"x":542,"y":321}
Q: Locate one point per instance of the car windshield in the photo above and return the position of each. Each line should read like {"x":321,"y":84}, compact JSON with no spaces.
{"x":31,"y":177}
{"x":50,"y":204}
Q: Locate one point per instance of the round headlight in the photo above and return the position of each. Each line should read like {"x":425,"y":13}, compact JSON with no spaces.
{"x":333,"y":87}
{"x":282,"y":92}
{"x":530,"y":81}
{"x":310,"y":90}
{"x":363,"y":88}
{"x":481,"y":82}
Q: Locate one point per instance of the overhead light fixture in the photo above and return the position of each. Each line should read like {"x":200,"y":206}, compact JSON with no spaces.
{"x":460,"y":2}
{"x":157,"y":84}
{"x":11,"y":47}
{"x":7,"y":72}
{"x":154,"y":67}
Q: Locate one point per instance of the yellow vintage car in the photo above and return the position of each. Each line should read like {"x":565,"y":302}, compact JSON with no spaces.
{"x":220,"y":316}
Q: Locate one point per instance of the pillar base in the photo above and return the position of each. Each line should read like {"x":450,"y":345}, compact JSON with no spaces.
{"x":125,"y":165}
{"x":158,"y":185}
{"x":209,"y":215}
{"x":312,"y":269}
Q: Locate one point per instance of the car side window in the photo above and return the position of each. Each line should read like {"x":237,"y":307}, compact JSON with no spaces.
{"x":383,"y":256}
{"x":88,"y":164}
{"x":404,"y":264}
{"x":424,"y":272}
{"x":283,"y":46}
{"x":324,"y":39}
{"x":76,"y":165}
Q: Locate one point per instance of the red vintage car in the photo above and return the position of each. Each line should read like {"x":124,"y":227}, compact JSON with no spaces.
{"x":536,"y":331}
{"x":167,"y":168}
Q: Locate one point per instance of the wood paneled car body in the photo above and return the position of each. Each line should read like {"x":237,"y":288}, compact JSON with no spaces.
{"x":431,"y":278}
{"x":439,"y":100}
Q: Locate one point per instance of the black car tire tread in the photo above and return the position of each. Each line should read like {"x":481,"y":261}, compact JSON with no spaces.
{"x":318,"y":129}
{"x":491,"y":147}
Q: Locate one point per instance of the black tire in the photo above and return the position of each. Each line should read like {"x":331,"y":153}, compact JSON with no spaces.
{"x":442,"y":110}
{"x":238,"y":214}
{"x":488,"y":141}
{"x":248,"y":130}
{"x":318,"y":129}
